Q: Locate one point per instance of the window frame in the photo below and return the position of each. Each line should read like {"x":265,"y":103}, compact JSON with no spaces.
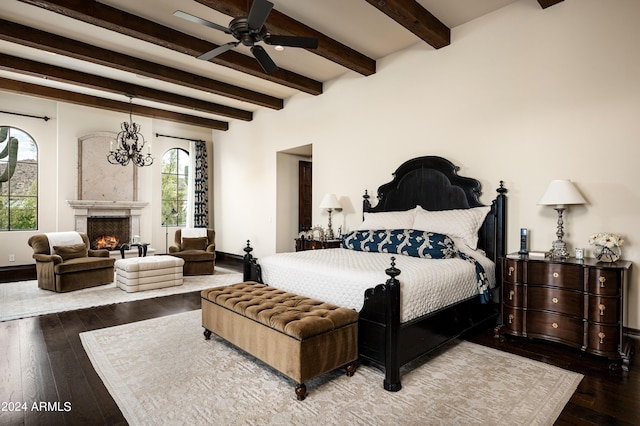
{"x":12,"y":199}
{"x":180,"y":173}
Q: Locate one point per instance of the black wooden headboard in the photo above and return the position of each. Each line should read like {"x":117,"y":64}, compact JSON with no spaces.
{"x":434,"y":184}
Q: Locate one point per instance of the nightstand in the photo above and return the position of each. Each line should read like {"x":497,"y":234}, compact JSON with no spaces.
{"x":578,"y":303}
{"x":307,"y":244}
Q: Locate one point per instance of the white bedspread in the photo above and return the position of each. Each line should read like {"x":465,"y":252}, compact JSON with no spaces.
{"x":340,"y":276}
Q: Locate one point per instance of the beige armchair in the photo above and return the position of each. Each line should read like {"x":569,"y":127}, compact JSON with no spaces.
{"x":70,"y":266}
{"x":198,"y":253}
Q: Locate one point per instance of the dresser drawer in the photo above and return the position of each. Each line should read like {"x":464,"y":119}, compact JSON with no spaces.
{"x":556,"y":327}
{"x":512,"y":320}
{"x":555,"y":300}
{"x":604,"y":309}
{"x":605,"y":282}
{"x":604,"y":340}
{"x":512,"y":295}
{"x":555,"y":274}
{"x":512,"y":271}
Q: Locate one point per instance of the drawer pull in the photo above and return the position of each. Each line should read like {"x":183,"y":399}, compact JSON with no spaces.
{"x":510,"y":318}
{"x":511,"y":269}
{"x":556,"y":275}
{"x":554,"y":325}
{"x":601,"y":335}
{"x":511,"y":294}
{"x":602,"y":308}
{"x":602,"y":280}
{"x":554,"y":300}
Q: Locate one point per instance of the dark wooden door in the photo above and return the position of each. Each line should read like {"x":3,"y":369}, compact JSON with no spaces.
{"x":304,"y":196}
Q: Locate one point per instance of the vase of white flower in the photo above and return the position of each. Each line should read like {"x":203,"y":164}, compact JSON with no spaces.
{"x":607,"y":246}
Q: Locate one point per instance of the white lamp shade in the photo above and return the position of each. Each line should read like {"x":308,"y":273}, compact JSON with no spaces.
{"x":330,"y":201}
{"x":561,"y":192}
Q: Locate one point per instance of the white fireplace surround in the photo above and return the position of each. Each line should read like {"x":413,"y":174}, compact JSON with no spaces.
{"x":85,"y":209}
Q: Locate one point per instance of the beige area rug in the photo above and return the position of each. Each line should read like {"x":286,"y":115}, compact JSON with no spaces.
{"x":24,"y":299}
{"x":163,"y":372}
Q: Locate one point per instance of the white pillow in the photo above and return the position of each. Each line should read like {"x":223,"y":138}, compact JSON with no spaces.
{"x":460,"y":223}
{"x":388,"y":220}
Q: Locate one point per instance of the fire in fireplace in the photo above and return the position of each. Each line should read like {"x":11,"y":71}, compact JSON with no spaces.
{"x":108,"y":232}
{"x":108,"y":242}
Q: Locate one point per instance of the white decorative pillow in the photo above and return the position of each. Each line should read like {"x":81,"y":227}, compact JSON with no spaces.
{"x":459,"y":223}
{"x":388,"y":220}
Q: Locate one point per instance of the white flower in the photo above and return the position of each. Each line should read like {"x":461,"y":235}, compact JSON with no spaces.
{"x":606,"y":239}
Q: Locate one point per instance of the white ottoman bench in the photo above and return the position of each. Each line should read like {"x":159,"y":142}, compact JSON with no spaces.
{"x":146,"y":273}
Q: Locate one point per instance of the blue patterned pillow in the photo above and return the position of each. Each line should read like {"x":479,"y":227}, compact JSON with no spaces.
{"x":409,"y":242}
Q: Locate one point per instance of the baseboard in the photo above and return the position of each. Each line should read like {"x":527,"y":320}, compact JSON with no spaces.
{"x":17,"y":273}
{"x":632,"y":333}
{"x":233,"y":259}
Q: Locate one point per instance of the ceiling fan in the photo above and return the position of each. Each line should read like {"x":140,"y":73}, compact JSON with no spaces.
{"x":250,"y":30}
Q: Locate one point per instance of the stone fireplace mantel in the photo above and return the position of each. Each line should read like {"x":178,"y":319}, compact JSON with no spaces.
{"x":100,"y":208}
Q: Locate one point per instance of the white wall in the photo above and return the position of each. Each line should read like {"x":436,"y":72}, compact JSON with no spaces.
{"x":523,"y":95}
{"x":57,"y":142}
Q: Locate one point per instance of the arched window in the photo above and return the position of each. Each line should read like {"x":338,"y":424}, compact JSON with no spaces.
{"x":175,"y":183}
{"x":18,"y":180}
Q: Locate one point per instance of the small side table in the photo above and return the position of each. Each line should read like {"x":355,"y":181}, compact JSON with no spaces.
{"x":142,"y":248}
{"x":303,"y":244}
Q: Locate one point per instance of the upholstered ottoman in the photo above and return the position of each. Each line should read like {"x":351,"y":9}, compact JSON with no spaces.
{"x":300,"y":337}
{"x":146,"y":273}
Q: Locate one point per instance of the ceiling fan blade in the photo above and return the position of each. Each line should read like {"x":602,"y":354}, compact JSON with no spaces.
{"x":260,"y":9}
{"x":264,"y":59}
{"x":218,"y":50}
{"x":292,"y":41}
{"x":190,"y":17}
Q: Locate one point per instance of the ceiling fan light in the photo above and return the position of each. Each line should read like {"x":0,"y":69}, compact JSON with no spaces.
{"x":279,"y":48}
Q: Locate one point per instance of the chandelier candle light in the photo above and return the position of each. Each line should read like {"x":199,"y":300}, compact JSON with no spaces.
{"x":560,"y":193}
{"x":130,"y":144}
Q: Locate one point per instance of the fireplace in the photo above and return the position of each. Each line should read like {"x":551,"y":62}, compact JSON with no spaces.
{"x":119,"y":219}
{"x":108,"y":232}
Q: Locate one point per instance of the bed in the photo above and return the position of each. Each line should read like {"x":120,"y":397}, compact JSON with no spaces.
{"x":397,"y":324}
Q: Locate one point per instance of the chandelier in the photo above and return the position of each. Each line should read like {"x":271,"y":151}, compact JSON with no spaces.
{"x":130,"y":144}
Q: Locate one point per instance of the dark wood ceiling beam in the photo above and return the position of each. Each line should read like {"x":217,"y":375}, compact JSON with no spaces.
{"x":38,"y":39}
{"x":117,"y":20}
{"x":24,"y":88}
{"x":281,"y":24}
{"x":65,"y":75}
{"x":546,"y":3}
{"x":411,"y":15}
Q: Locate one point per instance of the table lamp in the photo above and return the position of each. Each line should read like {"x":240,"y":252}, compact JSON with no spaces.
{"x":560,"y":193}
{"x":330,"y":202}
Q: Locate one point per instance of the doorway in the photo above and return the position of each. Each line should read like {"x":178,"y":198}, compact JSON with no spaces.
{"x":304,"y":195}
{"x":288,"y":199}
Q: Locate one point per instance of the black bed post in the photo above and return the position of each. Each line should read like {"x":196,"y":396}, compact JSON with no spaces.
{"x":250,"y":271}
{"x":392,"y":330}
{"x":501,"y":229}
{"x":366,"y":204}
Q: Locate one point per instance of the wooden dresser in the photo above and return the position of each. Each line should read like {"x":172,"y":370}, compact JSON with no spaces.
{"x":578,"y":303}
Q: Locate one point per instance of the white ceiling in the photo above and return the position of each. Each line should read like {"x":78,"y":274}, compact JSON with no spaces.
{"x":354,"y":23}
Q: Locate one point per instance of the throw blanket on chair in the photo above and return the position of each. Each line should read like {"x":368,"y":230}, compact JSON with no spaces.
{"x":63,"y":239}
{"x":193,"y":232}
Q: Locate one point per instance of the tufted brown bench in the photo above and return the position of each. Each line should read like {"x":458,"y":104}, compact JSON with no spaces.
{"x":300,"y":337}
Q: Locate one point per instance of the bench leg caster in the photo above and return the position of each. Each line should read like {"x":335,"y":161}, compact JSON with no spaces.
{"x":351,"y":369}
{"x":207,"y":334}
{"x":301,"y":391}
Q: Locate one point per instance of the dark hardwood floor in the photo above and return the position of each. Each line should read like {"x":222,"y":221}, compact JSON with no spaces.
{"x":43,"y":363}
{"x":603,"y":397}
